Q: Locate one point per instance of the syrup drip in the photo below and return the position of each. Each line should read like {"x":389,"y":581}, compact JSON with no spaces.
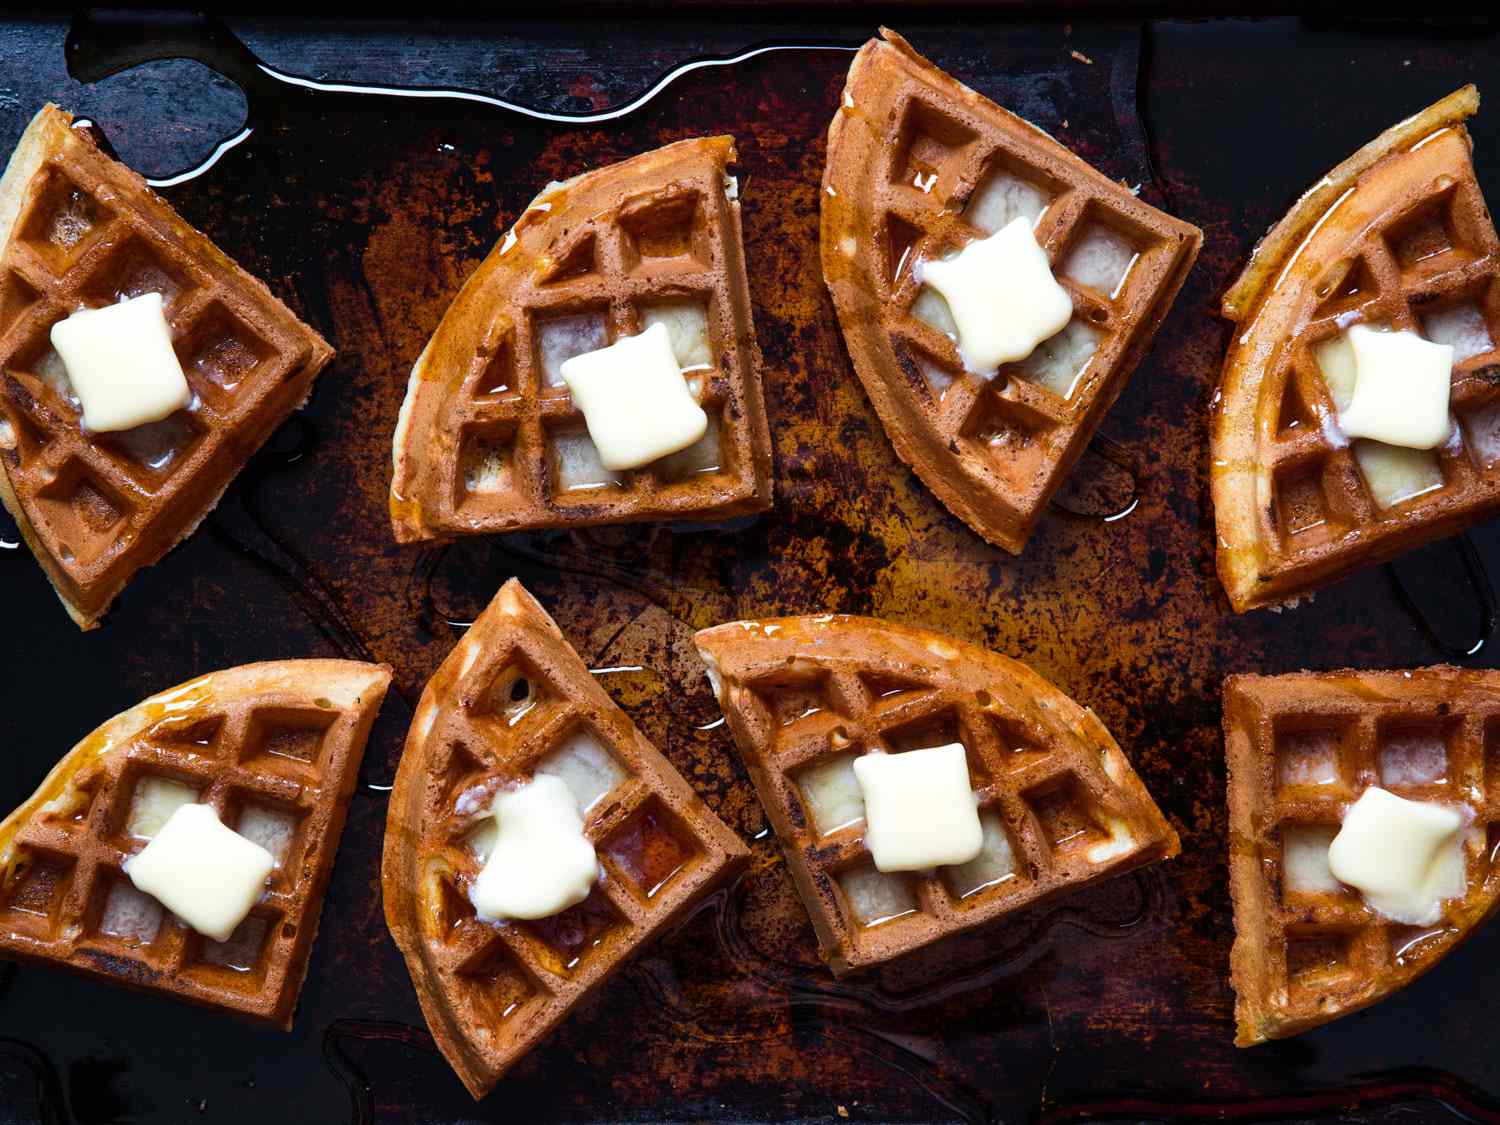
{"x":842,"y":1011}
{"x":1022,"y":941}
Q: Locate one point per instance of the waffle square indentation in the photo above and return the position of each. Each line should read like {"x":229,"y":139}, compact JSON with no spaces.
{"x":220,"y":353}
{"x":1062,"y":808}
{"x":664,"y":227}
{"x":1413,"y":755}
{"x":651,"y":847}
{"x":62,"y":218}
{"x":496,"y":984}
{"x":586,"y":765}
{"x":571,"y":936}
{"x":998,"y":863}
{"x":289,"y":738}
{"x":874,"y":898}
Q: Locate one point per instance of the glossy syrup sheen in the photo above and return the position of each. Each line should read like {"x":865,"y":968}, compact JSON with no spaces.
{"x":366,"y":211}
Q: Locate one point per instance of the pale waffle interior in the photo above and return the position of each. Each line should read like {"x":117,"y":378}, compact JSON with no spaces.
{"x":88,"y":233}
{"x":918,"y":166}
{"x":1059,"y":803}
{"x":510,"y":702}
{"x":278,"y":762}
{"x":1301,"y":749}
{"x":491,"y":439}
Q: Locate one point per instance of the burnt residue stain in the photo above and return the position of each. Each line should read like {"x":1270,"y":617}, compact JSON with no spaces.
{"x":366,"y":212}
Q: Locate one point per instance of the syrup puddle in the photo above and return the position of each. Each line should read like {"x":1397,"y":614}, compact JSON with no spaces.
{"x":1446,"y":588}
{"x":356,"y":1083}
{"x":1104,"y":485}
{"x":97,"y":49}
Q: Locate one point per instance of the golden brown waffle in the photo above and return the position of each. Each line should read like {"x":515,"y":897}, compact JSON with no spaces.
{"x":1301,"y":749}
{"x":513,"y":699}
{"x":275,"y":748}
{"x":1059,"y":803}
{"x":918,"y":166}
{"x":81,"y":230}
{"x":1398,"y":234}
{"x":489,"y":439}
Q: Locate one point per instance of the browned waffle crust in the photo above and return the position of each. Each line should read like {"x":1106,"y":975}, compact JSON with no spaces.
{"x":1397,"y":233}
{"x":800,"y":692}
{"x":509,"y":696}
{"x":284,"y":738}
{"x":1302,"y":958}
{"x":477,"y":449}
{"x":81,"y":230}
{"x":907,"y":150}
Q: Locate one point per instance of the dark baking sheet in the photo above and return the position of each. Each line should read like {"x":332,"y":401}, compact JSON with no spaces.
{"x":366,"y":211}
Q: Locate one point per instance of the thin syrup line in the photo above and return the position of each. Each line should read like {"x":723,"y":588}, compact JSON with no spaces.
{"x":538,"y":114}
{"x":213,"y":158}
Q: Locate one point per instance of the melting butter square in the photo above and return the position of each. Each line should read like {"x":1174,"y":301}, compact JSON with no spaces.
{"x":121,"y":364}
{"x":1002,"y":295}
{"x":540,"y":863}
{"x":634,"y":399}
{"x":919,"y":810}
{"x":203,"y":872}
{"x":1401,"y":389}
{"x":1405,"y":857}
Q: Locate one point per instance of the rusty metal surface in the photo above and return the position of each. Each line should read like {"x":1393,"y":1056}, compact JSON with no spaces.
{"x":366,"y":212}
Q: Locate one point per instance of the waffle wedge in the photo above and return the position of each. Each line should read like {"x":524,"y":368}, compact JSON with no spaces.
{"x":918,"y":166}
{"x":81,"y":230}
{"x":275,"y":749}
{"x":513,"y":700}
{"x":1301,"y":749}
{"x":1059,"y":803}
{"x":489,"y":440}
{"x":1398,"y":234}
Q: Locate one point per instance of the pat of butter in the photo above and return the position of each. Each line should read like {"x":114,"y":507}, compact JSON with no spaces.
{"x":1405,"y":857}
{"x":919,"y":809}
{"x":206,"y":874}
{"x":1401,"y":385}
{"x":121,"y":364}
{"x":634,"y":399}
{"x":1002,"y":295}
{"x":540,"y":862}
